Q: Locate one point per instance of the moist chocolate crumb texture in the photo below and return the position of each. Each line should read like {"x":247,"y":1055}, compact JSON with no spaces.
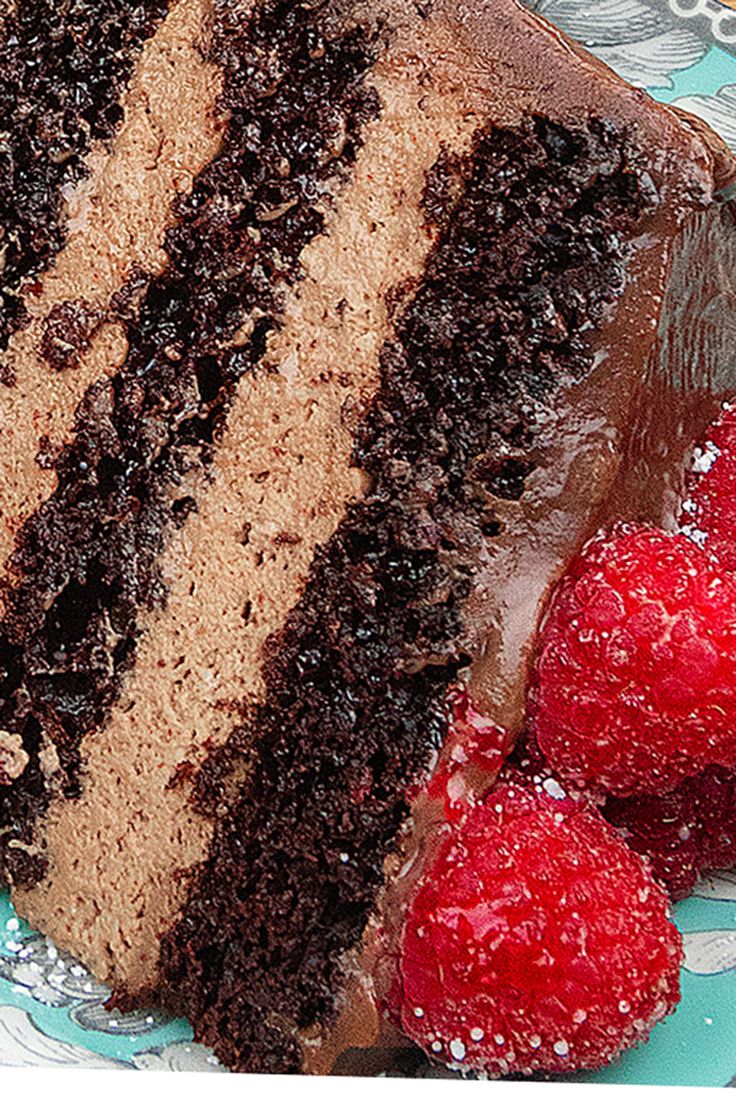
{"x":442,"y":296}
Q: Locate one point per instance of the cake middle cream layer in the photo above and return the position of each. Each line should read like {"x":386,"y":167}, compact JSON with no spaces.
{"x":86,"y":567}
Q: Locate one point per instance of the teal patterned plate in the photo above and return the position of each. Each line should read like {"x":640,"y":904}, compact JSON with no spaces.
{"x":52,"y":1013}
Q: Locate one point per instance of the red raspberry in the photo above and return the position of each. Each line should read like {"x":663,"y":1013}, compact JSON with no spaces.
{"x":634,"y":686}
{"x":685,"y":832}
{"x":709,"y":514}
{"x":536,"y":941}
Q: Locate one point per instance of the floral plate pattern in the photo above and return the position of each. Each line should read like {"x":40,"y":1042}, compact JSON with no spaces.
{"x":53,"y":1013}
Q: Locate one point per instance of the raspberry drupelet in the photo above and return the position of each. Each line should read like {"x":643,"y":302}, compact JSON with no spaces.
{"x":685,"y":832}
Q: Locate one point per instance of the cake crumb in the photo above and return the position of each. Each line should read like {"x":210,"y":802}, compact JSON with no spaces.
{"x":48,"y":759}
{"x":13,"y":758}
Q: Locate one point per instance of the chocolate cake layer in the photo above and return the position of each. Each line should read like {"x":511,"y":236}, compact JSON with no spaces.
{"x":86,"y":560}
{"x":115,"y":222}
{"x":443,"y":400}
{"x":64,"y":66}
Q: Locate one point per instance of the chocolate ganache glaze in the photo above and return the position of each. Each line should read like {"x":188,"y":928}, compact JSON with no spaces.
{"x":672,"y":403}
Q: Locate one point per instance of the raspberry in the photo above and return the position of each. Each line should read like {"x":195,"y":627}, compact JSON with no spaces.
{"x":634,"y":687}
{"x":685,"y":832}
{"x":709,"y":514}
{"x":536,"y":941}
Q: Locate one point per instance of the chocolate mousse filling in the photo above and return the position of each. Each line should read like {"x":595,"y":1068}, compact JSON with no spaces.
{"x":535,"y":231}
{"x":85,"y":564}
{"x":64,"y":66}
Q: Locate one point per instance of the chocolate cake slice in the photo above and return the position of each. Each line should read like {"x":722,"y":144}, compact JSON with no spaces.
{"x":426,"y":295}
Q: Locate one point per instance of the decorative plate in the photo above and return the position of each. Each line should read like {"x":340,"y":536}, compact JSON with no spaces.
{"x":52,"y":1012}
